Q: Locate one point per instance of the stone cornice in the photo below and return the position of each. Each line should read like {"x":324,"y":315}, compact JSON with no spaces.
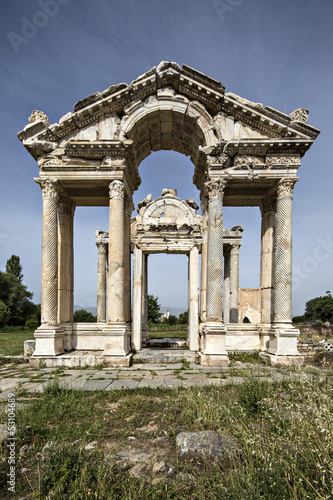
{"x":187,"y":81}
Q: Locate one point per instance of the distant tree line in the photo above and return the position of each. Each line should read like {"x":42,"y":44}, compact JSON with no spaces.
{"x":16,"y":307}
{"x":317,"y":309}
{"x":154,"y":314}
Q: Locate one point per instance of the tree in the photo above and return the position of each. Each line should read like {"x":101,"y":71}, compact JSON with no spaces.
{"x":16,"y":298}
{"x":154,"y":309}
{"x":13,"y":266}
{"x":320,"y":308}
{"x":84,"y":316}
{"x":183,"y":318}
{"x":4,"y":314}
{"x":172,"y":320}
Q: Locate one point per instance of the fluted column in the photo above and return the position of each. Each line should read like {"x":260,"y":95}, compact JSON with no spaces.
{"x":226,"y":291}
{"x":116,"y":310}
{"x":234,"y":283}
{"x":268,"y":221}
{"x":193,"y":296}
{"x":204,"y":235}
{"x":283,"y":253}
{"x":215,"y":250}
{"x":49,"y":337}
{"x":101,"y":281}
{"x":49,"y":294}
{"x":212,"y":343}
{"x":66,"y":209}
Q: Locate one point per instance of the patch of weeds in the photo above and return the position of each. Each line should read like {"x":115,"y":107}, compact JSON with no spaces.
{"x":252,"y":394}
{"x":153,"y":373}
{"x":323,"y":359}
{"x":185,"y":364}
{"x":41,"y":364}
{"x":246,"y":357}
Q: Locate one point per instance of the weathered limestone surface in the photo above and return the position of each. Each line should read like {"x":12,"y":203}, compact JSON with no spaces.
{"x":244,"y":154}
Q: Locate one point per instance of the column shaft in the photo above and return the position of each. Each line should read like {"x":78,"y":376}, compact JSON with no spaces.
{"x":226,"y":292}
{"x":193,"y":306}
{"x":101,"y":282}
{"x":66,"y":260}
{"x":215,"y":251}
{"x":49,"y":293}
{"x":116,"y":283}
{"x":204,"y":233}
{"x":268,"y":220}
{"x":234,"y":283}
{"x":137,"y":299}
{"x":283,"y":253}
{"x":127,"y":258}
{"x":145,"y":328}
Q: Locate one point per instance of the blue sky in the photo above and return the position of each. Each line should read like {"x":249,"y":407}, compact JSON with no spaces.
{"x":278,"y":52}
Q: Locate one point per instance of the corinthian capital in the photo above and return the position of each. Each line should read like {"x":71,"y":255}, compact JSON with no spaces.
{"x":66,"y":206}
{"x":268,"y":204}
{"x":50,"y":188}
{"x":117,"y":189}
{"x":215,"y":188}
{"x":285,"y":187}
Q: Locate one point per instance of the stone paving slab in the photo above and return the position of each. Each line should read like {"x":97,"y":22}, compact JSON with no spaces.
{"x":123,"y":384}
{"x":171,"y":382}
{"x":96,"y":385}
{"x":134,"y":374}
{"x":153,"y":383}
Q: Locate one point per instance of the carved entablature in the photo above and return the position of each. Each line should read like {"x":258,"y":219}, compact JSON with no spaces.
{"x":250,"y":160}
{"x":283,"y":161}
{"x":167,"y":108}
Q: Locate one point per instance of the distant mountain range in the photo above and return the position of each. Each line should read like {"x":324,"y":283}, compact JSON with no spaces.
{"x":175,"y":311}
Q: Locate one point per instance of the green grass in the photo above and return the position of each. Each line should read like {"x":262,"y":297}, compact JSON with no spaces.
{"x":171,"y":334}
{"x":12,"y":342}
{"x":285,"y":432}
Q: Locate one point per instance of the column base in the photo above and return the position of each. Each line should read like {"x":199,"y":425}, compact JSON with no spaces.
{"x":49,"y":341}
{"x":274,"y":360}
{"x":117,"y":339}
{"x":283,"y":340}
{"x":213,"y":359}
{"x":213,"y":339}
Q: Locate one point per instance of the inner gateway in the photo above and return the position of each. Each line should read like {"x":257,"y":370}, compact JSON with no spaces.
{"x":171,"y":225}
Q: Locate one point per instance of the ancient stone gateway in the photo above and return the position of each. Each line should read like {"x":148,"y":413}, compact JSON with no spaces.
{"x":243,"y":155}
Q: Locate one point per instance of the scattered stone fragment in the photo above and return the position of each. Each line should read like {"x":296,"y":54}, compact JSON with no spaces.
{"x":208,"y":444}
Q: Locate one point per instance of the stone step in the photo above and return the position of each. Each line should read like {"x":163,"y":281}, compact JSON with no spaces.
{"x":167,"y":342}
{"x":157,"y":355}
